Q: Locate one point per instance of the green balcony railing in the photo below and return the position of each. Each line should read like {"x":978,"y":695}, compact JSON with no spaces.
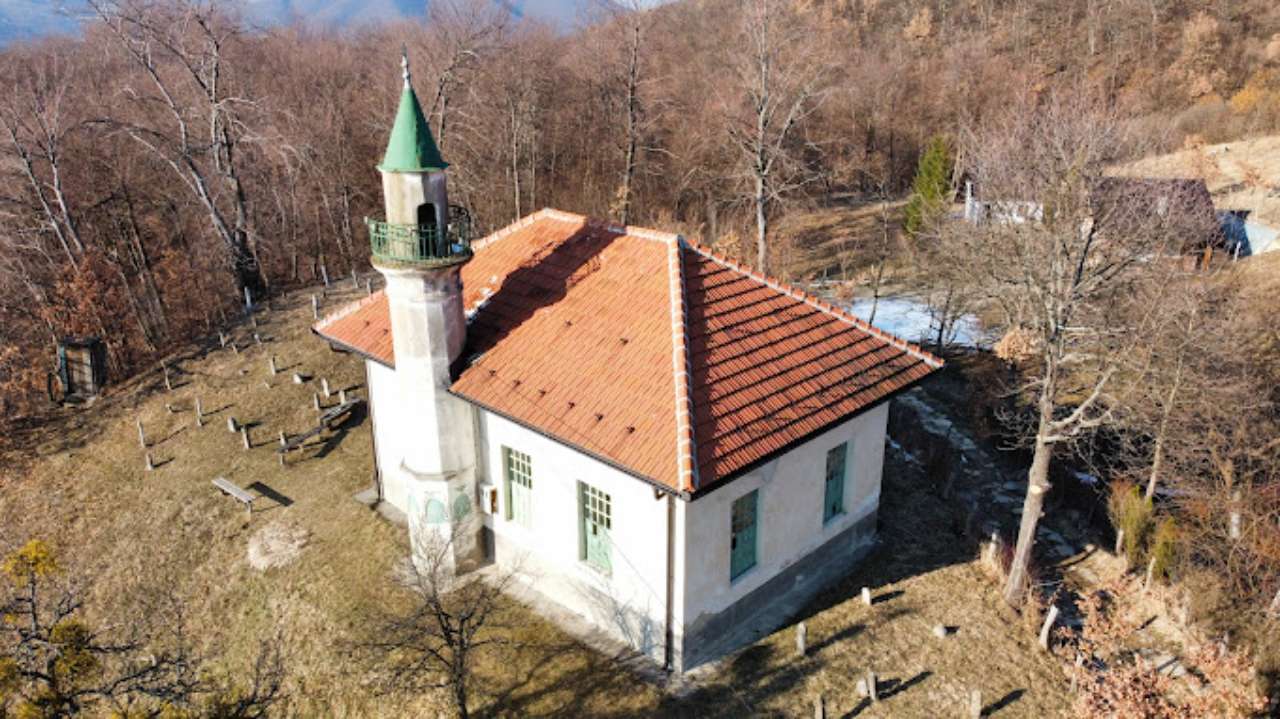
{"x":422,"y":244}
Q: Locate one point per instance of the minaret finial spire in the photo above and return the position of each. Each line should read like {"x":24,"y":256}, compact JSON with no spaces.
{"x":404,"y":63}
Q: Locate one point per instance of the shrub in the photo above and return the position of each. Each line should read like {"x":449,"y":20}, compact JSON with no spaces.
{"x":1164,"y":544}
{"x":1132,"y":514}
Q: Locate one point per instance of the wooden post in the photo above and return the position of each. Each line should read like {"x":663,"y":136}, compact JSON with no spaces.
{"x":167,"y":384}
{"x":232,"y":426}
{"x":355,"y":279}
{"x":244,"y":437}
{"x":871,"y":687}
{"x":315,"y":401}
{"x":1119,"y":542}
{"x":801,"y":636}
{"x":248,"y":301}
{"x":199,"y":413}
{"x":283,"y":441}
{"x":866,"y":596}
{"x":975,"y":704}
{"x":324,"y":387}
{"x":142,"y":436}
{"x":1049,"y":619}
{"x":271,"y":364}
{"x":297,"y":378}
{"x":342,"y":396}
{"x":151,"y":465}
{"x":324,"y":272}
{"x":368,"y":286}
{"x":315,"y":307}
{"x":1151,"y":571}
{"x":222,"y":340}
{"x":819,"y":707}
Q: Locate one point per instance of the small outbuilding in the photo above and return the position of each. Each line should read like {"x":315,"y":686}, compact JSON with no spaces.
{"x":82,"y":366}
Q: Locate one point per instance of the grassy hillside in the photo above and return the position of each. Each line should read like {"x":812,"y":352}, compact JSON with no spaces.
{"x":78,"y":480}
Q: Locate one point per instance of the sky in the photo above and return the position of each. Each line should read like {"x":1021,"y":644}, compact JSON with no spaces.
{"x":21,"y":19}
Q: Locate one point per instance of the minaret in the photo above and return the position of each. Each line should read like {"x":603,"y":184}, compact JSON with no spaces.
{"x":420,"y":250}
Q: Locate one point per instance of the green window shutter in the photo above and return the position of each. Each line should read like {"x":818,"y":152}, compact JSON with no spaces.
{"x":742,"y":539}
{"x":833,"y":494}
{"x":595,"y":520}
{"x":435,"y":512}
{"x":519,"y":486}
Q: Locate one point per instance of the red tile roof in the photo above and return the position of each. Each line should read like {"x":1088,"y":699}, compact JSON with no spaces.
{"x":651,"y":353}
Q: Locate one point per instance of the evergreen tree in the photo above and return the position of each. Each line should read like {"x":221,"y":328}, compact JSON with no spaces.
{"x":931,"y":189}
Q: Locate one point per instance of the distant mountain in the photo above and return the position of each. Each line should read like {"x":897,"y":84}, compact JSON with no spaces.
{"x":23,"y":19}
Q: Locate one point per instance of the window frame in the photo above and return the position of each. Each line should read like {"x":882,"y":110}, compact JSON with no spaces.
{"x":828,"y":482}
{"x":509,"y":459}
{"x":752,"y":530}
{"x":595,"y":504}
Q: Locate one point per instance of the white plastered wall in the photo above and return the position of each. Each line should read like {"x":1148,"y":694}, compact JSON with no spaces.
{"x":629,"y":603}
{"x":788,"y":513}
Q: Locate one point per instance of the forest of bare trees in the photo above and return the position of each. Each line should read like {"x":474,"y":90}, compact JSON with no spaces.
{"x":173,"y":156}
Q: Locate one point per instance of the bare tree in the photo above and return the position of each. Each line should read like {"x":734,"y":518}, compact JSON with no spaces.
{"x":1058,"y":259}
{"x":453,"y":612}
{"x":182,"y":50}
{"x":35,"y":124}
{"x":780,"y":75}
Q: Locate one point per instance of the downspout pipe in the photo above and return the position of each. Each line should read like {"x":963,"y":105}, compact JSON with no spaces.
{"x":668,"y":662}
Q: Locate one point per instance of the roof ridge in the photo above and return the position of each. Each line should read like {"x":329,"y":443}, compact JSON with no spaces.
{"x":347,"y":309}
{"x":799,"y":294}
{"x":686,"y":445}
{"x":519,"y":224}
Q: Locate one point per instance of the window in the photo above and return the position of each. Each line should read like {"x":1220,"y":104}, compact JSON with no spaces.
{"x":519,"y":481}
{"x":435,"y":512}
{"x":596,"y":519}
{"x":833,"y":495}
{"x":742,"y":540}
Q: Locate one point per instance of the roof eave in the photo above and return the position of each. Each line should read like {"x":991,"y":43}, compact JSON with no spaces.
{"x":752,"y":466}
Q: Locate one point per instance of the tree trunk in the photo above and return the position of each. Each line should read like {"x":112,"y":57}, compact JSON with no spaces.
{"x":1157,"y":454}
{"x":762,"y":228}
{"x":1037,"y":487}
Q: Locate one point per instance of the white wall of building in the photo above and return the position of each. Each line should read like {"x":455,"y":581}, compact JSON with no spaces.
{"x":629,"y":603}
{"x":392,"y":424}
{"x":789,"y":513}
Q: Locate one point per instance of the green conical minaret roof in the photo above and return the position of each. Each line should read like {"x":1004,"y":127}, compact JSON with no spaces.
{"x":411,"y":147}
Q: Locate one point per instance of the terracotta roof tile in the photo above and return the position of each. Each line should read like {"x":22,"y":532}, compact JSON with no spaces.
{"x":719,"y":369}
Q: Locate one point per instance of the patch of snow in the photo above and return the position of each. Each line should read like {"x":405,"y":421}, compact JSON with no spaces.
{"x":912,"y":320}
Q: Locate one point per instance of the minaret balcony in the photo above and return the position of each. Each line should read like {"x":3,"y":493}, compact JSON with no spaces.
{"x":422,"y":245}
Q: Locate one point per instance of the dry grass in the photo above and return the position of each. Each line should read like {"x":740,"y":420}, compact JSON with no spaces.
{"x":836,"y":242}
{"x":81,"y":484}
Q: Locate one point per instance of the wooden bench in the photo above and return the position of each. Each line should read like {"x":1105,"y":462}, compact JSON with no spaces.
{"x":234,"y":492}
{"x":327,"y":420}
